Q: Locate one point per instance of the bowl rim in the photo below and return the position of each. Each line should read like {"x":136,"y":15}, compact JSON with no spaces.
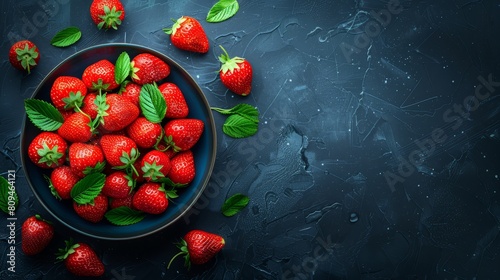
{"x":210,"y":121}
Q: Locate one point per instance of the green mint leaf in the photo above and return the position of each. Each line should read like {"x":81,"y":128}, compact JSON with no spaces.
{"x":88,"y":188}
{"x":237,"y":126}
{"x":234,"y":204}
{"x":122,"y":68}
{"x":124,"y":216}
{"x":244,"y":110}
{"x":43,"y":114}
{"x":152,"y":103}
{"x":8,"y":196}
{"x":222,"y":10}
{"x":66,"y":37}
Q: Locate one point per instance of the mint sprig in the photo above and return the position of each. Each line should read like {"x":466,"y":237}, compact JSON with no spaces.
{"x":152,"y":103}
{"x":7,"y":192}
{"x":88,"y":188}
{"x":122,"y":68}
{"x":234,"y":204}
{"x":243,"y":120}
{"x":66,"y":37}
{"x":43,"y":114}
{"x":222,"y":10}
{"x":124,"y":216}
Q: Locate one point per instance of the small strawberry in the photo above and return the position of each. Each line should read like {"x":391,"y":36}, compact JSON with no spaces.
{"x":183,"y":169}
{"x":89,"y":105}
{"x":120,"y":152}
{"x":80,"y":259}
{"x":131,"y":92}
{"x":92,"y":212}
{"x":236,"y":74}
{"x":67,"y":92}
{"x":76,"y":128}
{"x":147,"y":68}
{"x":199,"y":247}
{"x":176,"y":103}
{"x":183,"y":134}
{"x":36,"y":234}
{"x":85,"y":159}
{"x":107,"y":13}
{"x":62,"y":180}
{"x":151,"y":198}
{"x":47,"y":150}
{"x":119,"y":202}
{"x":24,"y":55}
{"x":155,"y":165}
{"x":100,"y":76}
{"x":118,"y":185}
{"x":119,"y":114}
{"x":145,"y":133}
{"x":188,"y":34}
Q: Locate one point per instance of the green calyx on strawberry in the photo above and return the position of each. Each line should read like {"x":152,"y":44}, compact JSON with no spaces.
{"x":111,"y":18}
{"x":120,"y":152}
{"x":24,"y":55}
{"x":228,"y":63}
{"x":107,"y":13}
{"x":155,"y":165}
{"x":80,"y":259}
{"x":188,"y":34}
{"x":236,"y":73}
{"x":47,"y":150}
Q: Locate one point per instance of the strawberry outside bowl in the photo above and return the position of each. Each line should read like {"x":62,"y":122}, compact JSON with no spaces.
{"x":204,"y":151}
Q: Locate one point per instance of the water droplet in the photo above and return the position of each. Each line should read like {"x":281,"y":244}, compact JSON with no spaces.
{"x":353,"y":217}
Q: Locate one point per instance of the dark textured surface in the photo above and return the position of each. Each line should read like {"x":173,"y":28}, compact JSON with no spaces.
{"x":367,"y":164}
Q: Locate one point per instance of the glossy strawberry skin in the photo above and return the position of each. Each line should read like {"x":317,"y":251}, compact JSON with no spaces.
{"x":182,"y":170}
{"x":150,"y":199}
{"x":120,"y":113}
{"x":56,"y":153}
{"x":83,"y":156}
{"x":239,"y":80}
{"x":92,"y":212}
{"x":188,"y":34}
{"x":24,"y":55}
{"x":183,"y":134}
{"x":36,"y":235}
{"x":114,"y":146}
{"x":131,"y":92}
{"x":144,"y":133}
{"x":155,"y":165}
{"x":76,"y":128}
{"x":117,"y":185}
{"x":203,"y":246}
{"x":176,"y":103}
{"x":61,"y":89}
{"x":63,"y":180}
{"x":119,"y":202}
{"x":103,"y":70}
{"x":148,"y":68}
{"x":84,"y":262}
{"x":105,"y":20}
{"x":89,"y":107}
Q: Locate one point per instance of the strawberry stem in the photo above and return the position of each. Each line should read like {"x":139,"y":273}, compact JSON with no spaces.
{"x":174,"y":257}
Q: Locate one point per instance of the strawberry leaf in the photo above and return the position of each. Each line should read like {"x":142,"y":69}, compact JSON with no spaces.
{"x":8,"y":196}
{"x":237,"y":126}
{"x":122,"y":68}
{"x":222,"y":10}
{"x":88,"y":188}
{"x":234,"y":204}
{"x":43,"y":114}
{"x":66,"y":37}
{"x":152,"y":103}
{"x":124,"y":216}
{"x":244,"y":110}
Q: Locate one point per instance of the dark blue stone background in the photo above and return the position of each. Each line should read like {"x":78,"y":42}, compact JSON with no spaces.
{"x":367,"y":164}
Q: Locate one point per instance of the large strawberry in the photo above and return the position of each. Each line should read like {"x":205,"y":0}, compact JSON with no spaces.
{"x":100,"y":76}
{"x":24,"y":55}
{"x":120,"y":152}
{"x":62,"y":181}
{"x":85,"y":158}
{"x":176,"y":103}
{"x":188,"y":34}
{"x":119,"y":114}
{"x":131,"y":92}
{"x":36,"y":234}
{"x":47,"y":150}
{"x":147,"y":68}
{"x":80,"y":259}
{"x":183,"y":134}
{"x":183,"y":169}
{"x":236,"y":74}
{"x":118,"y":185}
{"x":76,"y":128}
{"x":145,"y":133}
{"x":107,"y":13}
{"x":67,"y":92}
{"x":199,"y":247}
{"x":92,"y":212}
{"x":155,"y":165}
{"x":151,"y":198}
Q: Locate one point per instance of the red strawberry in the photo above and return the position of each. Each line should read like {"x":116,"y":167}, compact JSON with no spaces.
{"x":47,"y":150}
{"x":117,"y":185}
{"x":100,"y":76}
{"x":67,"y":92}
{"x":183,"y":134}
{"x":188,"y":34}
{"x":119,"y":202}
{"x":199,"y":247}
{"x":155,"y":165}
{"x":120,"y":113}
{"x":36,"y":234}
{"x":65,"y":113}
{"x":92,"y":212}
{"x":80,"y":259}
{"x":120,"y":152}
{"x":62,"y":180}
{"x":85,"y":158}
{"x":183,"y":169}
{"x":131,"y":92}
{"x":236,"y":74}
{"x":89,"y":106}
{"x":150,"y":198}
{"x":107,"y":13}
{"x":176,"y":103}
{"x":147,"y":68}
{"x":76,"y":128}
{"x":24,"y":55}
{"x":144,"y":133}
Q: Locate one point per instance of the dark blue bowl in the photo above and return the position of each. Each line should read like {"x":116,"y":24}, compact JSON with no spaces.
{"x":204,"y":151}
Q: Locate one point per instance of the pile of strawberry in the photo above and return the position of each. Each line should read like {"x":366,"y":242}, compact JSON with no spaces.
{"x":117,"y":144}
